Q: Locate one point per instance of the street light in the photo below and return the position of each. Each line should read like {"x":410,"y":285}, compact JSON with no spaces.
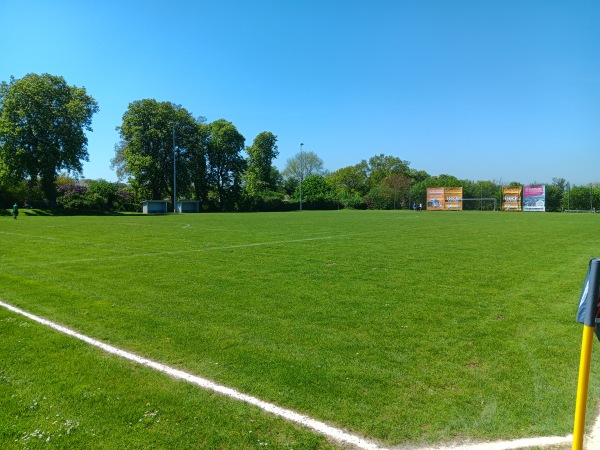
{"x":174,"y":174}
{"x":301,"y":174}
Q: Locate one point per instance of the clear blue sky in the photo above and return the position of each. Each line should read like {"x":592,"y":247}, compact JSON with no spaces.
{"x":482,"y":90}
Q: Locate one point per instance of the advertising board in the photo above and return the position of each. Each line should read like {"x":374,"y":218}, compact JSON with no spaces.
{"x":511,"y":198}
{"x":534,"y":198}
{"x":444,"y":198}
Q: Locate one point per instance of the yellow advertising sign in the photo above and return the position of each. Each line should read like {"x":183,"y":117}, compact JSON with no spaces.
{"x":435,"y":199}
{"x":449,"y":199}
{"x":511,"y":198}
{"x":453,"y":198}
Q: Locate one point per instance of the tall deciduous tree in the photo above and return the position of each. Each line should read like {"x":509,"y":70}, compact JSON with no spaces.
{"x":418,"y":175}
{"x":198,"y":162}
{"x":303,"y":165}
{"x":419,"y":190}
{"x":351,"y":180}
{"x":381,"y":166}
{"x":225,"y":163}
{"x":583,"y":198}
{"x":555,"y":193}
{"x":259,"y":174}
{"x":318,"y":192}
{"x":155,"y":136}
{"x":350,"y":185}
{"x":43,"y":122}
{"x":399,"y":187}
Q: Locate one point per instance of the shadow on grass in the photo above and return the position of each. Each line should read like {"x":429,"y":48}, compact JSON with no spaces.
{"x":61,"y":212}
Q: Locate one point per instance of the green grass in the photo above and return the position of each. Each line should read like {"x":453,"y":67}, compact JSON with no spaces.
{"x":57,"y":392}
{"x":402,"y":327}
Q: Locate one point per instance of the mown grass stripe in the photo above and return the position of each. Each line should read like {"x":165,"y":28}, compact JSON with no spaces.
{"x":449,"y":328}
{"x":174,"y":252}
{"x":287,"y":414}
{"x":292,"y":416}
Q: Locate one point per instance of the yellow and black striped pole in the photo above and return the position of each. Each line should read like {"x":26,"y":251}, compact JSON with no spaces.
{"x":587,"y":314}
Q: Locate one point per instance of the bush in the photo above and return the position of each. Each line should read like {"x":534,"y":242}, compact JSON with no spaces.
{"x":379,"y":198}
{"x":269,"y":201}
{"x":126,"y":201}
{"x":24,"y":193}
{"x":71,"y":196}
{"x":101,"y":195}
{"x":96,"y":196}
{"x":317,"y":193}
{"x":353,"y":202}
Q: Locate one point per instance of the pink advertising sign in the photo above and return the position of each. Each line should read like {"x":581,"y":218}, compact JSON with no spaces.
{"x":534,"y":198}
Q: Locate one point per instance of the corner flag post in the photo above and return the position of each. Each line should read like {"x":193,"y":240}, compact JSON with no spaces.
{"x":587,"y":314}
{"x":582,"y":387}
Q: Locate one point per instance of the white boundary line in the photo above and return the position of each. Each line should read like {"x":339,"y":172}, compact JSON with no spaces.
{"x":334,"y":433}
{"x":175,"y":252}
{"x":287,"y":414}
{"x":510,"y":445}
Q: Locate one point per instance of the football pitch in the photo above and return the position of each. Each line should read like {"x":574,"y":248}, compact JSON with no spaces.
{"x":406,"y":328}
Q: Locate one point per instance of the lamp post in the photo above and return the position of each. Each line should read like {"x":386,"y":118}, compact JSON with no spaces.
{"x":301,"y":173}
{"x":174,"y":174}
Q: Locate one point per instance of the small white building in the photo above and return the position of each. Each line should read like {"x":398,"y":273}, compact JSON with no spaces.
{"x":188,"y":206}
{"x":154,"y":207}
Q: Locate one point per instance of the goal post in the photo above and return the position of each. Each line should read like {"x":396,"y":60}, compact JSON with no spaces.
{"x":481,"y":200}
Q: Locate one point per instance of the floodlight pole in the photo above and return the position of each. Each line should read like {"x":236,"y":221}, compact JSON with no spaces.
{"x":301,"y":173}
{"x":174,"y":174}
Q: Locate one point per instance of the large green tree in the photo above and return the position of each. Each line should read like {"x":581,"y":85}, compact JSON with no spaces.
{"x":43,"y":122}
{"x":350,"y":185}
{"x":225,"y":164}
{"x":303,"y":165}
{"x":555,"y":193}
{"x":582,"y":198}
{"x":197,"y":162}
{"x":480,"y":189}
{"x":351,"y":180}
{"x":418,"y":192}
{"x":155,"y":136}
{"x":382,"y":166}
{"x":259,"y":175}
{"x":317,"y":193}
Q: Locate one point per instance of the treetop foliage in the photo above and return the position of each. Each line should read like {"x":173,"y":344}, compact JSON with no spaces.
{"x":42,"y":129}
{"x":165,"y":152}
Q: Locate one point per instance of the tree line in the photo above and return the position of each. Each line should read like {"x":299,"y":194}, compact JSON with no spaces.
{"x":166,"y":152}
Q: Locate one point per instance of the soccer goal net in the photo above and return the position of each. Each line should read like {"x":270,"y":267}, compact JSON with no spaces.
{"x":480,"y":204}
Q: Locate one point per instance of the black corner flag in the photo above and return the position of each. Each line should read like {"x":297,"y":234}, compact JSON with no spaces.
{"x":588,"y":314}
{"x":589,"y":306}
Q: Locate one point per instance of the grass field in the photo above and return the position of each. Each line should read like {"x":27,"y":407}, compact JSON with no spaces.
{"x":403,"y":327}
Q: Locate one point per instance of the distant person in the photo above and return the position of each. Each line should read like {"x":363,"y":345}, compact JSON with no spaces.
{"x":420,"y":206}
{"x":414,"y":207}
{"x":15,"y":212}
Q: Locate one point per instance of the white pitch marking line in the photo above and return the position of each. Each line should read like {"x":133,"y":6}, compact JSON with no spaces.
{"x":288,"y":414}
{"x":45,"y":238}
{"x":509,"y":445}
{"x":176,"y":252}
